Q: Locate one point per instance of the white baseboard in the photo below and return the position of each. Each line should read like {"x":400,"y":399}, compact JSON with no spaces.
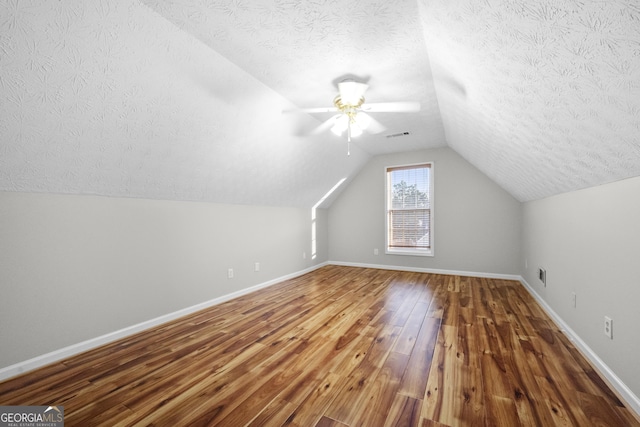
{"x":63,"y":353}
{"x":429,"y":270}
{"x":630,"y":399}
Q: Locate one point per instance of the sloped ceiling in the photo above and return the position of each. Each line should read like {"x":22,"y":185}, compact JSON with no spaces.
{"x":182,"y":100}
{"x":542,"y":96}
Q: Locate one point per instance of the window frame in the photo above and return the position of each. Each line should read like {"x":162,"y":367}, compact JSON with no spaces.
{"x":413,"y":251}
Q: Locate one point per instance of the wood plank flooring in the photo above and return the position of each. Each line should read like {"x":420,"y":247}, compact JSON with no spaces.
{"x":340,"y":346}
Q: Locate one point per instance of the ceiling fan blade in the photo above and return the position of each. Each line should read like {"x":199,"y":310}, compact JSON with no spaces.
{"x":311,"y":110}
{"x":391,"y":107}
{"x":351,"y":91}
{"x":327,"y":124}
{"x":371,"y":125}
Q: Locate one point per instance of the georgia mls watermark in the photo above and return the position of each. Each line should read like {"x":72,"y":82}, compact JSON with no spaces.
{"x":31,"y":416}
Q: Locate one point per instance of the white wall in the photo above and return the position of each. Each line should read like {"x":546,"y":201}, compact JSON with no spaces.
{"x":477,"y":223}
{"x":589,"y":243}
{"x":73,"y":268}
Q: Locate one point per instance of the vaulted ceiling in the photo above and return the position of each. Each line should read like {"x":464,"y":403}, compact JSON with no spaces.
{"x":183,"y":99}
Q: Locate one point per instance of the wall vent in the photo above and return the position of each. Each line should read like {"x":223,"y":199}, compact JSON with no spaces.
{"x":542,"y":276}
{"x":395,"y":135}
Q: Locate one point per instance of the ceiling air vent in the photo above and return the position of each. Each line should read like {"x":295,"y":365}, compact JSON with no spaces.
{"x":395,"y":135}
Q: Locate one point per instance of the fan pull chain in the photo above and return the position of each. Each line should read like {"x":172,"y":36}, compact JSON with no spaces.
{"x":349,"y":137}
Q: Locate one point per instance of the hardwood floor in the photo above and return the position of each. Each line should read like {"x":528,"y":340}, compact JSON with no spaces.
{"x":340,"y":346}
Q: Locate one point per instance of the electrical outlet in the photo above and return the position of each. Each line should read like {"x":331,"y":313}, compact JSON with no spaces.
{"x":573,"y":299}
{"x":542,"y":275}
{"x":230,"y":273}
{"x":304,"y":255}
{"x":375,"y":251}
{"x":257,"y":266}
{"x":608,"y":326}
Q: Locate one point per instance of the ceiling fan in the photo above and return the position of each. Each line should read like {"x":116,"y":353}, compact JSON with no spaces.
{"x":352,"y":112}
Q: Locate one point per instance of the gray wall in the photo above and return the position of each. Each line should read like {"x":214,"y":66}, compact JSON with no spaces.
{"x":74,"y":268}
{"x":589,"y":243}
{"x":476,"y":223}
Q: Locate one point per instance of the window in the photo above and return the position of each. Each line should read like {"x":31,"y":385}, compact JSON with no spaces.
{"x":409,"y":210}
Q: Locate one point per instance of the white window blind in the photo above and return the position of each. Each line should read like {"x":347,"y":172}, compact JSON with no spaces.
{"x":409,"y":220}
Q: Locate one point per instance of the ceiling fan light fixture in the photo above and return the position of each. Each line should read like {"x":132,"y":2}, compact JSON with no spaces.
{"x":352,"y":113}
{"x":340,"y":125}
{"x":363,"y":120}
{"x":355,"y":130}
{"x":345,"y":123}
{"x":351,"y":92}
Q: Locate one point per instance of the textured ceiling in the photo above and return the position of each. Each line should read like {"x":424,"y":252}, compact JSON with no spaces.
{"x":182,"y":99}
{"x":303,"y":49}
{"x":542,"y":96}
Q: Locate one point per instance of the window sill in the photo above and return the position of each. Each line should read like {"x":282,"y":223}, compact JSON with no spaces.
{"x":411,"y":252}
